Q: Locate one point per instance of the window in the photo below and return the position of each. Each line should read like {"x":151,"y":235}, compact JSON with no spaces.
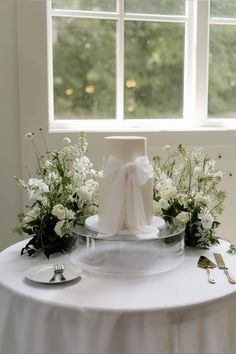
{"x":222,"y":59}
{"x":135,"y":65}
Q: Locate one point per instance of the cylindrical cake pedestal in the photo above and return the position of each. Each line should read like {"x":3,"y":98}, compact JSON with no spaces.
{"x":127,"y":255}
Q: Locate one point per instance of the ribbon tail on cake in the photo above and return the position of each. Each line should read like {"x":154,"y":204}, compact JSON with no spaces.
{"x":135,"y":217}
{"x":125,"y":205}
{"x":114,"y":218}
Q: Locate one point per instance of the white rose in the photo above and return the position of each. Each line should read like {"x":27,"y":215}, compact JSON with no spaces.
{"x":163,"y":204}
{"x":59,"y":228}
{"x":30,"y":216}
{"x":85,"y":193}
{"x":59,"y":211}
{"x":70,"y":214}
{"x":183,"y":217}
{"x":206,"y":220}
{"x":169,"y":192}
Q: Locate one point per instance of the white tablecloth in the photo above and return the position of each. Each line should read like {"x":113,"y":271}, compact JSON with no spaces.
{"x":174,"y":312}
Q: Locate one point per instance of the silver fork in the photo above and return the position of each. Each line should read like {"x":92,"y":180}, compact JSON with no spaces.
{"x":58,"y":270}
{"x":61,"y":270}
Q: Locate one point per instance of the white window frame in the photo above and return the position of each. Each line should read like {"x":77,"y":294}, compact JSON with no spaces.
{"x":195,"y":74}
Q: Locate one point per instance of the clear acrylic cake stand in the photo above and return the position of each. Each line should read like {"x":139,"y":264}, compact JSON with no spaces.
{"x":127,"y":255}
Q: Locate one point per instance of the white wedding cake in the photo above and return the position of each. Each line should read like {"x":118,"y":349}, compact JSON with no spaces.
{"x":125,"y":190}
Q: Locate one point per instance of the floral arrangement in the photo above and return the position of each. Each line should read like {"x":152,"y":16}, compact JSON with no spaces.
{"x":63,"y":193}
{"x":186,"y":186}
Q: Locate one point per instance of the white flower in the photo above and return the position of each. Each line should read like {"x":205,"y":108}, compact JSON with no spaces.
{"x":198,"y":172}
{"x":59,"y":211}
{"x":218,"y":176}
{"x":206,"y":220}
{"x":163,"y":204}
{"x":66,"y":140}
{"x":71,"y":199}
{"x":187,"y":181}
{"x":169,"y":192}
{"x":70,"y":214}
{"x":85,"y":194}
{"x":70,"y":152}
{"x":53,"y":176}
{"x":202,"y":198}
{"x":48,"y":163}
{"x":31,"y":215}
{"x":92,"y":185}
{"x":60,"y":229}
{"x":183,"y":216}
{"x":37,"y":189}
{"x":182,"y":199}
{"x":39,"y":184}
{"x":35,"y":195}
{"x":29,"y":136}
{"x":82,"y":164}
{"x":62,"y":212}
{"x":166,"y":147}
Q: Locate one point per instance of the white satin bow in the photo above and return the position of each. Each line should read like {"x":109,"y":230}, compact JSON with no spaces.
{"x":125,"y":204}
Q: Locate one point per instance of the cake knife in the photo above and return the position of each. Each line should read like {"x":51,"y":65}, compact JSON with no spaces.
{"x":221,"y":264}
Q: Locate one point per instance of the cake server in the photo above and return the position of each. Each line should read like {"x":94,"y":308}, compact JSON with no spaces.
{"x":207,"y":264}
{"x":221,"y":264}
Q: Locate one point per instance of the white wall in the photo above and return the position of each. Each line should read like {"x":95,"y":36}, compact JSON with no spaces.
{"x":31,"y":114}
{"x":10,"y":197}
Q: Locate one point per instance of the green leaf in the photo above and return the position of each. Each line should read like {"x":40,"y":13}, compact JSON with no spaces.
{"x":232,"y":249}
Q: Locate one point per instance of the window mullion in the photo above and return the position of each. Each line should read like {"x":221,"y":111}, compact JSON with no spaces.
{"x":189,"y":62}
{"x":120,"y":61}
{"x":202,"y":52}
{"x":50,"y":65}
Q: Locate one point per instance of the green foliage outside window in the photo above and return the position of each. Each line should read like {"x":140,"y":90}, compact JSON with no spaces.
{"x":84,"y":63}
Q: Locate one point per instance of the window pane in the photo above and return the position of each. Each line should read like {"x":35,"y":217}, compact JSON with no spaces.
{"x":84,"y":68}
{"x":223,"y":8}
{"x":222,"y":72}
{"x":162,"y":7}
{"x":154,"y":61}
{"x":85,"y":5}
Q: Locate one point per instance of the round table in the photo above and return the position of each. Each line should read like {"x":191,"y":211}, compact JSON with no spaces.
{"x":178,"y":311}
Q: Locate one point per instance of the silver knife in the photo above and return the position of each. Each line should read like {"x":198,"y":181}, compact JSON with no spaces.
{"x":221,"y":264}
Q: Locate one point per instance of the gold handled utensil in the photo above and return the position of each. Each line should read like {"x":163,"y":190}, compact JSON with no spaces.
{"x":207,"y":264}
{"x":221,"y":264}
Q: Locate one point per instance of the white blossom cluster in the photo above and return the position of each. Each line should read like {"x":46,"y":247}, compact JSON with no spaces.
{"x":63,"y":193}
{"x":186,"y":186}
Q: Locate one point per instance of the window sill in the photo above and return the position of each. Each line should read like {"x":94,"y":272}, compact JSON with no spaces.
{"x":134,"y":126}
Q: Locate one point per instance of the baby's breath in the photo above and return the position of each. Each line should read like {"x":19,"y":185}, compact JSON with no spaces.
{"x":187,"y":186}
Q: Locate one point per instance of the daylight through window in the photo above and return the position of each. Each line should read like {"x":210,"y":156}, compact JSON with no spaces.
{"x":120,"y":63}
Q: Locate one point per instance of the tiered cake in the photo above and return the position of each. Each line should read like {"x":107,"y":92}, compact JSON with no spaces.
{"x":125,"y":190}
